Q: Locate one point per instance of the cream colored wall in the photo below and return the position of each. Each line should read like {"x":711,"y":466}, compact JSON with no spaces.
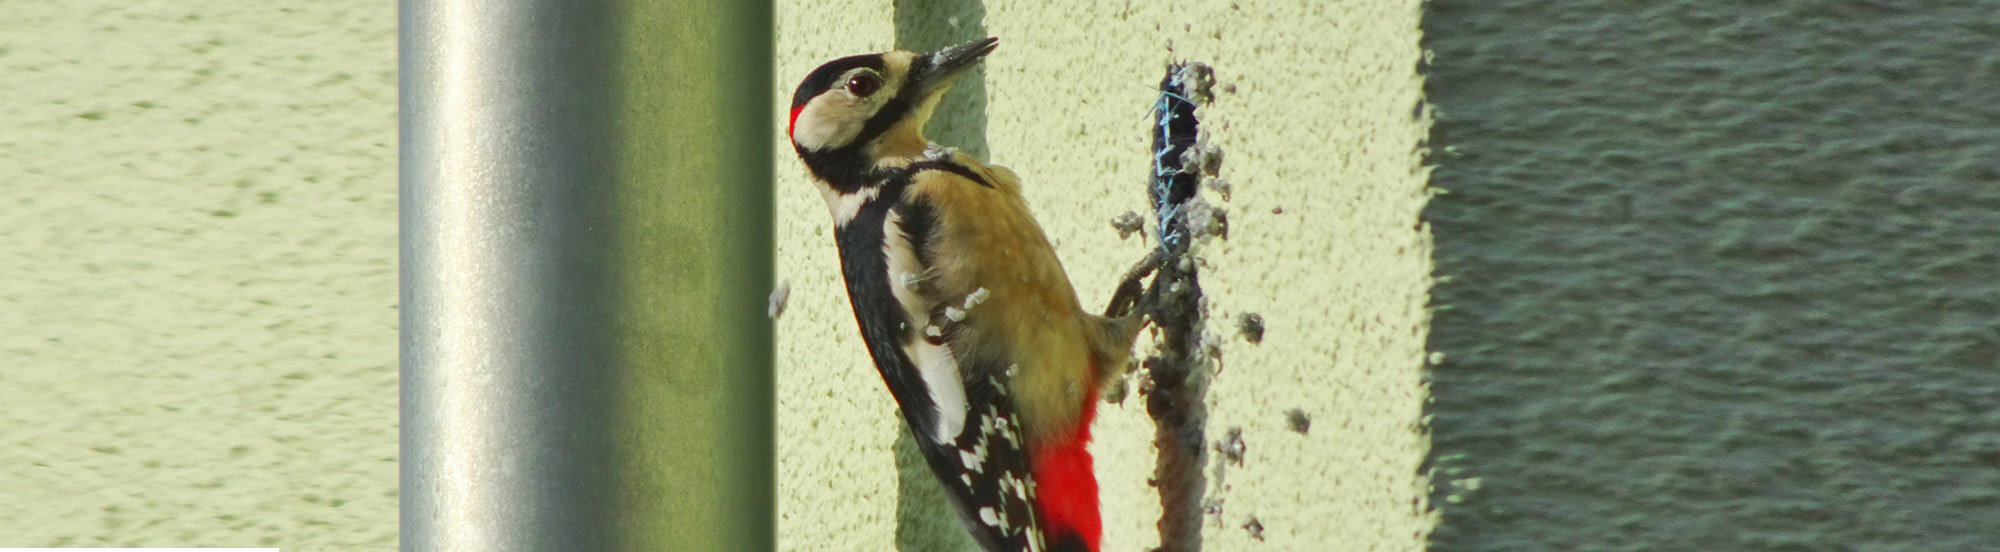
{"x":836,"y":479}
{"x":1320,"y":123}
{"x":197,"y":273}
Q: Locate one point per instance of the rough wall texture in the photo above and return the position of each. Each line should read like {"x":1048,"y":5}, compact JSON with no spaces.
{"x":1316,"y":119}
{"x":1722,"y":275}
{"x":197,"y":276}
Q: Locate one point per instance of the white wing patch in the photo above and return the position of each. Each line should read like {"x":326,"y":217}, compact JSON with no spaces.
{"x":940,"y":372}
{"x":935,"y":363}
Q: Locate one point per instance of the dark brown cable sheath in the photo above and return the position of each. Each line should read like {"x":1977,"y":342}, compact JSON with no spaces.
{"x":1178,"y":385}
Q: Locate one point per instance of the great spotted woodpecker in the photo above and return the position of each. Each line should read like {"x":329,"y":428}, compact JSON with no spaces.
{"x":961,"y":300}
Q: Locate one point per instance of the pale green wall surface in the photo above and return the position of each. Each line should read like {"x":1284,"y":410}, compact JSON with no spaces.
{"x":1322,"y":122}
{"x":197,"y":313}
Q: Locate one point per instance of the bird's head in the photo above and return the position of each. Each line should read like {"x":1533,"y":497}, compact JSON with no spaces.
{"x":855,"y":112}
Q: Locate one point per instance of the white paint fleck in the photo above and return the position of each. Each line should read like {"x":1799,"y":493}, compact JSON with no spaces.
{"x":776,"y":308}
{"x":937,"y":152}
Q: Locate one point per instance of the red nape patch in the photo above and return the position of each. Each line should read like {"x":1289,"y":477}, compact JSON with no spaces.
{"x":795,"y":121}
{"x":1066,"y":484}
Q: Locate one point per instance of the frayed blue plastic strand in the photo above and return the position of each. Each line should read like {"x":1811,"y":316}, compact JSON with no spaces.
{"x":1165,"y":168}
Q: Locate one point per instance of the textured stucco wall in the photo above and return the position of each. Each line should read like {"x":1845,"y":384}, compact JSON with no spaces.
{"x":1723,"y":275}
{"x":1319,"y":123}
{"x":197,"y":276}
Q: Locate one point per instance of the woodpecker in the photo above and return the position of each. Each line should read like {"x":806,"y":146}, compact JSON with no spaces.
{"x":961,"y":300}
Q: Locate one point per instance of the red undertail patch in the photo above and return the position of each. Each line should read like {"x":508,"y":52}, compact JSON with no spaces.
{"x":1066,"y":484}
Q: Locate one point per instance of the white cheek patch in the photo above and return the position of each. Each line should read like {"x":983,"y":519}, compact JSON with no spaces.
{"x":935,"y":363}
{"x":831,"y":120}
{"x":835,"y":117}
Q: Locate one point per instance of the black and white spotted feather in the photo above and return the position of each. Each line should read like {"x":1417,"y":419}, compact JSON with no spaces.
{"x":956,"y":407}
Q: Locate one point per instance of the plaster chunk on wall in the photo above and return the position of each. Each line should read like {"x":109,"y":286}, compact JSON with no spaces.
{"x":1298,"y":420}
{"x":1128,"y":224}
{"x":1221,"y":186}
{"x":1231,"y":447}
{"x":1199,"y":81}
{"x":1252,"y":325}
{"x":1205,"y":220}
{"x":1204,"y":158}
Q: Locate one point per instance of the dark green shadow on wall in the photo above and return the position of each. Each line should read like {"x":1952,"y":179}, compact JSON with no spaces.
{"x":925,"y":520}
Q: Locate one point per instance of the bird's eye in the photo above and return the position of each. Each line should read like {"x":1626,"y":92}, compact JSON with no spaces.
{"x":864,"y":84}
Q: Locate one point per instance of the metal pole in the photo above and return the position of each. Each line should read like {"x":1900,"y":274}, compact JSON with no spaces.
{"x":505,"y":352}
{"x":585,"y":365}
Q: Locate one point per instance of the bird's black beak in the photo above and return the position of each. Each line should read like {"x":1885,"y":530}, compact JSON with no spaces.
{"x":943,"y":67}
